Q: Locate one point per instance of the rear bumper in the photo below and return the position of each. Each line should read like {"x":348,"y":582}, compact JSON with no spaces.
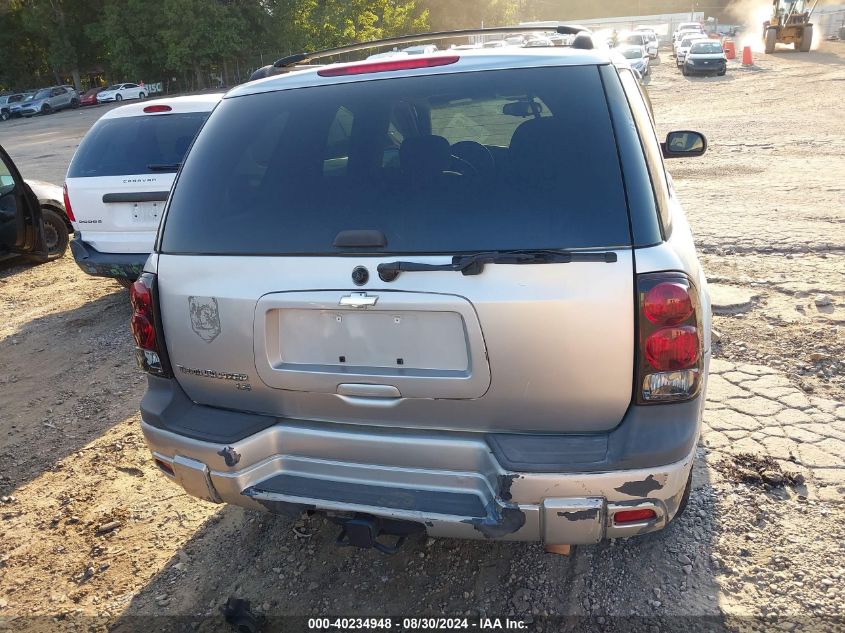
{"x":464,"y":485}
{"x":116,"y":265}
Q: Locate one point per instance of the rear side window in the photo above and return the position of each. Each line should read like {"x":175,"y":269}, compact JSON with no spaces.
{"x":136,"y":145}
{"x":449,"y":163}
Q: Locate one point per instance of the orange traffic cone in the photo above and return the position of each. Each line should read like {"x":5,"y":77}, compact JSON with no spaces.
{"x":746,"y":56}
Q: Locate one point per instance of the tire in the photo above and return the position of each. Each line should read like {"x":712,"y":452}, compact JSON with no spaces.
{"x":118,"y":98}
{"x":806,"y":40}
{"x":682,"y":507}
{"x":46,"y":109}
{"x":721,"y":73}
{"x":74,"y":103}
{"x":5,"y":116}
{"x":771,"y":38}
{"x":55,"y":232}
{"x":684,"y":70}
{"x":142,"y":95}
{"x":125,"y":282}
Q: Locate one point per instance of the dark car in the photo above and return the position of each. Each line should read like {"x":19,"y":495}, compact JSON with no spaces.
{"x":89,"y":97}
{"x":21,"y":224}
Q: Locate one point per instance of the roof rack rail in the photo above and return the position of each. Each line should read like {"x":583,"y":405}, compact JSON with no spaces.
{"x":582,"y":40}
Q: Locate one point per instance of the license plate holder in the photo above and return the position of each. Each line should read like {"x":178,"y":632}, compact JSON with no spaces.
{"x":147,"y":213}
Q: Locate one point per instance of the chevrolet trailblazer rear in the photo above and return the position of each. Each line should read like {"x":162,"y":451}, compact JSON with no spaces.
{"x":432,"y":293}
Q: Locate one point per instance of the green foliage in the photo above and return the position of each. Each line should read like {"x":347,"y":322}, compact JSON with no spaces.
{"x":201,"y":42}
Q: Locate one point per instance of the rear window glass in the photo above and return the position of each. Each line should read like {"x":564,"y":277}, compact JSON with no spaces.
{"x":449,"y":163}
{"x":136,"y":145}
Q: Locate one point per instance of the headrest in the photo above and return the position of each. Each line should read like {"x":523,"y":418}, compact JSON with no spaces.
{"x":535,"y":152}
{"x":425,"y":155}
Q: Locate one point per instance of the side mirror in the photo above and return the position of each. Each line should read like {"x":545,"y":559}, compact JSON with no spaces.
{"x":684,"y":144}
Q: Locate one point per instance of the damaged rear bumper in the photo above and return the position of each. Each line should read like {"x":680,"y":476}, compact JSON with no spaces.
{"x":455,"y":484}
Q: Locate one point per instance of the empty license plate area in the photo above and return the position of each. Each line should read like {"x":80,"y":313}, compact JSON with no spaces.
{"x":373,"y":340}
{"x":146,"y":213}
{"x":423,"y":345}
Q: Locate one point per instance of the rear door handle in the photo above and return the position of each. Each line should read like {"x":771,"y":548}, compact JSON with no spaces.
{"x":358,"y":300}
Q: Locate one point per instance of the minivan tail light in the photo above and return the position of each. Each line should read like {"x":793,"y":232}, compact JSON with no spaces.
{"x":670,"y":359}
{"x":68,"y":210}
{"x":150,"y":352}
{"x":386,"y":66}
{"x":150,"y":109}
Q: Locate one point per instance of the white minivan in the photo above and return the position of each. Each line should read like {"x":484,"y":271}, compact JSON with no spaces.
{"x":119,"y":179}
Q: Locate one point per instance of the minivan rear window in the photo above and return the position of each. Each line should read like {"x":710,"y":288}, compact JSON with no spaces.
{"x":136,"y":145}
{"x":444,"y":163}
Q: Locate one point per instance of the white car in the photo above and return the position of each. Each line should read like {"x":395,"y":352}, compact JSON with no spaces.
{"x":684,"y":30}
{"x":687,"y":26}
{"x":120,"y":92}
{"x":119,"y":179}
{"x":637,"y":57}
{"x":421,"y":49}
{"x":684,"y":45}
{"x":652,"y":45}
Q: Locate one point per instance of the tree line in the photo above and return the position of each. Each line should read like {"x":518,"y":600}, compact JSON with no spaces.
{"x":198,"y":44}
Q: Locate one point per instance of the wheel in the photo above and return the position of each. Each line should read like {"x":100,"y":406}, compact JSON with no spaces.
{"x":684,"y":70}
{"x":74,"y":103}
{"x":55,"y":233}
{"x":771,"y":38}
{"x":142,"y":95}
{"x":4,"y":116}
{"x":118,"y":98}
{"x":721,"y":73}
{"x":806,"y":40}
{"x":123,"y":281}
{"x":46,"y":109}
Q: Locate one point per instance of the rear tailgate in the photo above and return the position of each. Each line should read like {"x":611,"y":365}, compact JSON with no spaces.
{"x":478,"y":353}
{"x":119,"y":214}
{"x":259,"y":307}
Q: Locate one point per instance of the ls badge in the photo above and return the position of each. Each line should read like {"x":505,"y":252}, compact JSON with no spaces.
{"x":205,"y":317}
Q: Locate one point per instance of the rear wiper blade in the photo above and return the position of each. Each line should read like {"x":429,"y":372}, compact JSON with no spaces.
{"x":164,"y":166}
{"x":474,"y":264}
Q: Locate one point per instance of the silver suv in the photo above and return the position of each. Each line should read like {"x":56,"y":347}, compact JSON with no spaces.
{"x":452,"y":292}
{"x":46,"y":101}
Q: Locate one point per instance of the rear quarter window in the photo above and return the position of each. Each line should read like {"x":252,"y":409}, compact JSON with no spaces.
{"x":129,"y":145}
{"x":446,"y":163}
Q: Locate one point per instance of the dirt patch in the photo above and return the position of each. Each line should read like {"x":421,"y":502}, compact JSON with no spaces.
{"x":761,"y":471}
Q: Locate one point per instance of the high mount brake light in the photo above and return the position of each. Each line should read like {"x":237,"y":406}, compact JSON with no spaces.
{"x":386,"y":66}
{"x":157,"y":108}
{"x":68,"y":210}
{"x":670,"y":359}
{"x":149,"y":348}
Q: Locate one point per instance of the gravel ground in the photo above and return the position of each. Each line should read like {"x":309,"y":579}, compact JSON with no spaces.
{"x":92,"y":537}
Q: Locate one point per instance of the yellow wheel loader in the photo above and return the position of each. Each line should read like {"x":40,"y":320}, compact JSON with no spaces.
{"x":789,"y":24}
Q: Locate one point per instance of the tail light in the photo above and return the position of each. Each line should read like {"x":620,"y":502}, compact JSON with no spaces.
{"x":150,"y":353}
{"x":634,"y":516}
{"x":68,"y":210}
{"x":670,"y":339}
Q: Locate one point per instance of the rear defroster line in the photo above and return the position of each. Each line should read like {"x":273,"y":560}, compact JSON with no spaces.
{"x":474,"y":264}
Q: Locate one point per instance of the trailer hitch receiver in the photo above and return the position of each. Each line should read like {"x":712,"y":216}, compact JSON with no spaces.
{"x":363,"y":531}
